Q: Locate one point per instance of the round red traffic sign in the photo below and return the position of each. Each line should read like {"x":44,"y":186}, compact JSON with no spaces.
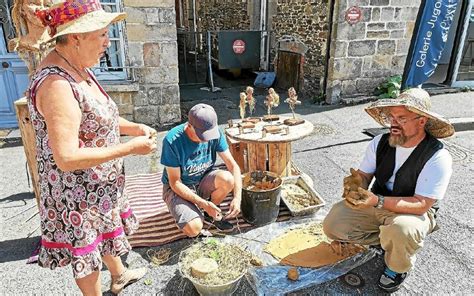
{"x":353,"y":15}
{"x":238,"y":46}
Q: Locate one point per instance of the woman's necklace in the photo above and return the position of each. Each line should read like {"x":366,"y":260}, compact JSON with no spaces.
{"x":86,"y":79}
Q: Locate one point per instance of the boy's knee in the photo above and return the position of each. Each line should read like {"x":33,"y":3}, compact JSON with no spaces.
{"x":193,"y":228}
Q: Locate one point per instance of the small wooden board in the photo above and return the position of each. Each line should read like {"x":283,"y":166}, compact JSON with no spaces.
{"x":247,"y":124}
{"x":252,"y":119}
{"x":272,"y":117}
{"x":293,"y":121}
{"x":272,"y":129}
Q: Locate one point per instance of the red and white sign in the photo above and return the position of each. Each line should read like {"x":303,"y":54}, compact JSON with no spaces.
{"x":238,"y":46}
{"x":353,"y":15}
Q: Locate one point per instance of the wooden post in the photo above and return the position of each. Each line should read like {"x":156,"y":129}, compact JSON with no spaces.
{"x":28,"y":138}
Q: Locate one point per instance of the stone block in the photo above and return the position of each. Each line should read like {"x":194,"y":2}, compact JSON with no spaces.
{"x":397,"y":34}
{"x":167,"y":15}
{"x":375,"y":26}
{"x":140,"y":98}
{"x":387,"y":14}
{"x":358,"y":3}
{"x":397,"y":15}
{"x":361,"y":48}
{"x":368,"y":85}
{"x":116,"y":96}
{"x":346,"y":68}
{"x":125,"y":109}
{"x":170,"y":95}
{"x":135,"y":15}
{"x":387,"y":47}
{"x":135,"y":54}
{"x":126,"y":98}
{"x":159,"y":32}
{"x":396,"y":25}
{"x":154,"y":95}
{"x":169,"y":113}
{"x":348,"y":32}
{"x":152,"y":16}
{"x":151,"y":54}
{"x":169,"y":54}
{"x":375,"y":14}
{"x":409,"y":13}
{"x":409,"y":3}
{"x":380,"y":62}
{"x":378,"y":34}
{"x":151,"y":75}
{"x":398,"y":62}
{"x":146,"y":115}
{"x":149,"y":3}
{"x":402,"y":46}
{"x":379,"y":2}
{"x":333,"y":92}
{"x":348,"y":87}
{"x":409,"y":29}
{"x":340,"y":49}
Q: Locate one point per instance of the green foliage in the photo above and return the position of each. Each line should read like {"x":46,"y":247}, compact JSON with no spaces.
{"x":466,"y":89}
{"x":390,"y":88}
{"x":211,"y":242}
{"x":147,"y":282}
{"x":319,"y":98}
{"x":214,"y":254}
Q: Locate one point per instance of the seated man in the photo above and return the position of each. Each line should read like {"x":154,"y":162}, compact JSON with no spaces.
{"x":190,"y":181}
{"x":411,"y":170}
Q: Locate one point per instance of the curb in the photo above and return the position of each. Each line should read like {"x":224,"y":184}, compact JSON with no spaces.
{"x":462,"y":124}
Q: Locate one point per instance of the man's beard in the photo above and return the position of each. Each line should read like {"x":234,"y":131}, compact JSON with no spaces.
{"x":397,"y":140}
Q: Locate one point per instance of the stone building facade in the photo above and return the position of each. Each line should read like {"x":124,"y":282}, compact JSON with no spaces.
{"x":366,"y":53}
{"x":308,"y":21}
{"x":151,"y":95}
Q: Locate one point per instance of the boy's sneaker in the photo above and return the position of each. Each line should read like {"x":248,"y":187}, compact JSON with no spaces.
{"x":390,"y":281}
{"x":222,"y":225}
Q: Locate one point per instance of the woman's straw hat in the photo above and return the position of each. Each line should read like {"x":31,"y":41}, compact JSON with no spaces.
{"x":76,"y":16}
{"x":417,"y":101}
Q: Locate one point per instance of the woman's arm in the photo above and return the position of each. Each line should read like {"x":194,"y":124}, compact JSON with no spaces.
{"x":55,"y":101}
{"x":129,"y":128}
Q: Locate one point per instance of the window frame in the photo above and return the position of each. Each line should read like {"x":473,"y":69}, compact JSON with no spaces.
{"x":102,"y":73}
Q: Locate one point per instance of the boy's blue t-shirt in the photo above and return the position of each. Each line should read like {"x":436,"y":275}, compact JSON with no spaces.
{"x":194,"y":159}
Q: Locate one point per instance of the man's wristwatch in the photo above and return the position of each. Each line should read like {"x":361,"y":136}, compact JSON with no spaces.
{"x":379,"y":204}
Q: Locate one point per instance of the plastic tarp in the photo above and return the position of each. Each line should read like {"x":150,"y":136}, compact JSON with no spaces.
{"x":264,"y":79}
{"x":271,"y":279}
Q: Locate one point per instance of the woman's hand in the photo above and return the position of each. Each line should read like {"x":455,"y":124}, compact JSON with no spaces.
{"x":142,"y":145}
{"x":145,"y":130}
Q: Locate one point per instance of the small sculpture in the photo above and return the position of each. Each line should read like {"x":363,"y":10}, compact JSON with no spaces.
{"x":271,"y":101}
{"x":292,"y":102}
{"x":242,"y":104}
{"x":250,"y":99}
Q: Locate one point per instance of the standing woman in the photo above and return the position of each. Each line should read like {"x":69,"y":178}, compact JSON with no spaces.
{"x":84,"y":212}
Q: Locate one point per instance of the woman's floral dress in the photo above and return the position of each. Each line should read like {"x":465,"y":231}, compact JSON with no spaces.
{"x":84,"y":213}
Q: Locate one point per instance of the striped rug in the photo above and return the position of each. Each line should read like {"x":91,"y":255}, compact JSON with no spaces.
{"x":157,"y":226}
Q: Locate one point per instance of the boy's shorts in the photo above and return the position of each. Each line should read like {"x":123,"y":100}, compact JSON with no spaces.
{"x":184,"y":211}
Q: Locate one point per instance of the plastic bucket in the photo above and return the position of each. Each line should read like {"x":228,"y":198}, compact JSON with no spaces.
{"x":261,"y":207}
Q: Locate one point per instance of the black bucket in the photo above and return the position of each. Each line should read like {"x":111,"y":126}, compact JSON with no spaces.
{"x":261,"y":207}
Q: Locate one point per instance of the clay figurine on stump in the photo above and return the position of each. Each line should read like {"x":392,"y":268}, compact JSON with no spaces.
{"x":271,"y":101}
{"x":251,"y":102}
{"x":293,"y":101}
{"x":242,"y":105}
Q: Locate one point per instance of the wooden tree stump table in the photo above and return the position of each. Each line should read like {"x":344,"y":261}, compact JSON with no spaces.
{"x":255,"y":149}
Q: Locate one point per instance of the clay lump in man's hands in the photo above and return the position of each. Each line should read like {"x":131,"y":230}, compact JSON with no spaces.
{"x":352,"y":182}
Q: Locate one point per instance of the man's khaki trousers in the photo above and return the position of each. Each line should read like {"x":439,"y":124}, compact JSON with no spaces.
{"x":400,"y":235}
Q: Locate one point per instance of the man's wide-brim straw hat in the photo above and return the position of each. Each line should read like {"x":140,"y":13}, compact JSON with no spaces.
{"x":417,"y":101}
{"x":77,"y":16}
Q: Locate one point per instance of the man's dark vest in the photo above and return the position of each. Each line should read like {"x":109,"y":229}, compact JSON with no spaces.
{"x":407,"y":175}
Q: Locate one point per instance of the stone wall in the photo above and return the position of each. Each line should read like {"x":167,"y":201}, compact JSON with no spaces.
{"x":308,"y":21}
{"x":365,"y":54}
{"x":152,"y":95}
{"x":223,"y":15}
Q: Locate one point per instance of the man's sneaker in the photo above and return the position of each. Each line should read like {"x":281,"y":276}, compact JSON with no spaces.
{"x":222,"y":225}
{"x":126,"y":278}
{"x":390,"y":281}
